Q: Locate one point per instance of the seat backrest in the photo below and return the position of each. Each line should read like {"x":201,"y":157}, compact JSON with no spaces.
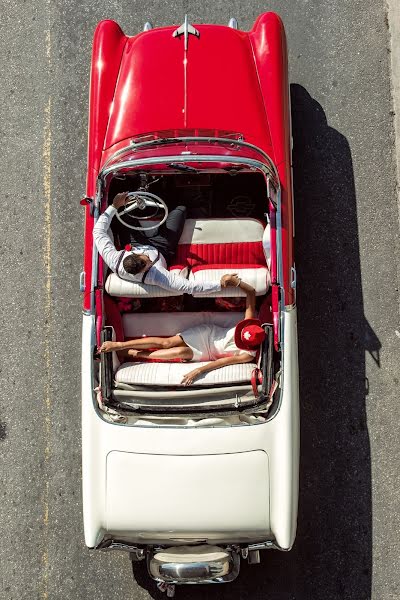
{"x":165,"y":324}
{"x":220,"y":241}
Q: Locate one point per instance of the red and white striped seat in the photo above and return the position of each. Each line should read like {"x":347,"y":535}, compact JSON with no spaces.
{"x":213,"y":247}
{"x":220,"y":241}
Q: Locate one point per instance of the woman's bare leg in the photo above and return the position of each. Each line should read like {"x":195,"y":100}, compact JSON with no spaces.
{"x":174,"y":341}
{"x":145,"y":343}
{"x":183,"y":352}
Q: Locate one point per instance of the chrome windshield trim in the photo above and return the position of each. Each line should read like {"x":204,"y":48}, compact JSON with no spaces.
{"x":269,"y":169}
{"x":176,"y":140}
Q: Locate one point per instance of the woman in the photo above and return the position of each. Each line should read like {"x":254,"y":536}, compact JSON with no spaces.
{"x":221,"y":346}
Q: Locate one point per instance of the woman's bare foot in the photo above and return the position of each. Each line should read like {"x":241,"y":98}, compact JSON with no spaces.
{"x":110,"y":346}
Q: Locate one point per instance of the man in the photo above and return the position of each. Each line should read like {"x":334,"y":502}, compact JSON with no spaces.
{"x":147,"y":262}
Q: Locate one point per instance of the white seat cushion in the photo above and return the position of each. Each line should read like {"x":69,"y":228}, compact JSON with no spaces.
{"x":258,"y":277}
{"x":166,"y":324}
{"x":116,"y":286}
{"x":170,"y":374}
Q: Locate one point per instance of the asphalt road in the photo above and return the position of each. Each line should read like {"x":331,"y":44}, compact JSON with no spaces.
{"x":347,"y":252}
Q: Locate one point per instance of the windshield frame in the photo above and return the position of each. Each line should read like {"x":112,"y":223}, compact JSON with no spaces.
{"x":235,"y":144}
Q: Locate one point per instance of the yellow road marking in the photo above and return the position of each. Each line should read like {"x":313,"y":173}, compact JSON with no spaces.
{"x":46,"y":156}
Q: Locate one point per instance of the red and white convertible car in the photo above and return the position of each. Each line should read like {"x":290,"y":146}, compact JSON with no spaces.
{"x":191,"y":479}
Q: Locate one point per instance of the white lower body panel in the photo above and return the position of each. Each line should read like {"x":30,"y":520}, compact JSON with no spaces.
{"x":224,"y":483}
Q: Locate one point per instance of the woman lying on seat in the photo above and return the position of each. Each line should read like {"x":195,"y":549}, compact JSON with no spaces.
{"x":221,"y":345}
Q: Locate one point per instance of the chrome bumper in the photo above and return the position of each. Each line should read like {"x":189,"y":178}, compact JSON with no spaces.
{"x":191,"y":565}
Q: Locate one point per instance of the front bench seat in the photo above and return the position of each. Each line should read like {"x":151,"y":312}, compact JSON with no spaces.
{"x":209,"y":248}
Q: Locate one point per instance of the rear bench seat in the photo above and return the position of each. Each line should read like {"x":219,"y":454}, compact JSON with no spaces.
{"x":170,"y":374}
{"x":209,"y":248}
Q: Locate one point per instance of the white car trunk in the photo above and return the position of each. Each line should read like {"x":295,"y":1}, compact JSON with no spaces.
{"x":188,"y":496}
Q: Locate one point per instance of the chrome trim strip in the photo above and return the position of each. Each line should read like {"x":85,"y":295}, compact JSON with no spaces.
{"x":211,"y":140}
{"x":293,"y":278}
{"x":268,"y":545}
{"x":116,"y":545}
{"x":95,"y":254}
{"x":82,"y":281}
{"x":290,"y":307}
{"x":280,"y":264}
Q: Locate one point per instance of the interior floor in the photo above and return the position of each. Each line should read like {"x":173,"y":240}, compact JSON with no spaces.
{"x":185,"y":303}
{"x":206,"y":195}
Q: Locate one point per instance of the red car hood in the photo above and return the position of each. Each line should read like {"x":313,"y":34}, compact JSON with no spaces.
{"x":213,"y":86}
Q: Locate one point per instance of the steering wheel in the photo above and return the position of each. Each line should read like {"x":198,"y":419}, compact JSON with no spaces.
{"x":138,"y":202}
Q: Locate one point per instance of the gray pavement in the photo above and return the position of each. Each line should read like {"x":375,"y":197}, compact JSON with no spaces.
{"x":347,"y":252}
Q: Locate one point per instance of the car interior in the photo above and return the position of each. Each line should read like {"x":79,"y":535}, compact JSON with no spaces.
{"x":226,"y":231}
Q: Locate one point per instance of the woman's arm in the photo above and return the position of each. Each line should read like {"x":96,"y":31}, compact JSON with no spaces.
{"x":216,"y":364}
{"x":250,"y":300}
{"x":235,"y":281}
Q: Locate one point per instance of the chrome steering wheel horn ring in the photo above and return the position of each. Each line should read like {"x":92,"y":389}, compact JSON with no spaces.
{"x":141,"y":200}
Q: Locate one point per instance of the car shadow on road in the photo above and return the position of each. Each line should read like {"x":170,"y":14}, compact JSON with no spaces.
{"x":331,"y":559}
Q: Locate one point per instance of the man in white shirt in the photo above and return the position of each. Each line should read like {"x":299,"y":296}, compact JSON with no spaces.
{"x":144,"y":263}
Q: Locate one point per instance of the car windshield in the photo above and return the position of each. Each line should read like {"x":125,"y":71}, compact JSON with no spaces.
{"x":183,"y":149}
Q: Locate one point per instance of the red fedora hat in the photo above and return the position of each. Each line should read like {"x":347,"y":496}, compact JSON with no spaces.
{"x":249,"y":334}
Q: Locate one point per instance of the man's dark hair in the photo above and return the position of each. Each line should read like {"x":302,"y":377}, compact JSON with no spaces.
{"x":133,"y":264}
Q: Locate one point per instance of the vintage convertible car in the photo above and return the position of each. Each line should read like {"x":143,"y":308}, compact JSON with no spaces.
{"x":191,"y":479}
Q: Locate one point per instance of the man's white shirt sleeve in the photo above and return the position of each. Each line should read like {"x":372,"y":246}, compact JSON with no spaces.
{"x":168,"y":280}
{"x":103,"y":240}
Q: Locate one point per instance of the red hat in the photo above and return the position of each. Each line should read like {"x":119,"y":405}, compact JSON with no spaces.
{"x":249,"y":334}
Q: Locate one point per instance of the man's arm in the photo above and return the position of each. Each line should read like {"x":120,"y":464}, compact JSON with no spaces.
{"x":216,"y":364}
{"x":101,"y":236}
{"x":172,"y":281}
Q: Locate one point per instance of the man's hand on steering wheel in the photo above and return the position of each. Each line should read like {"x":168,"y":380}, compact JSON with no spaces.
{"x":120,"y":200}
{"x":140,"y":206}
